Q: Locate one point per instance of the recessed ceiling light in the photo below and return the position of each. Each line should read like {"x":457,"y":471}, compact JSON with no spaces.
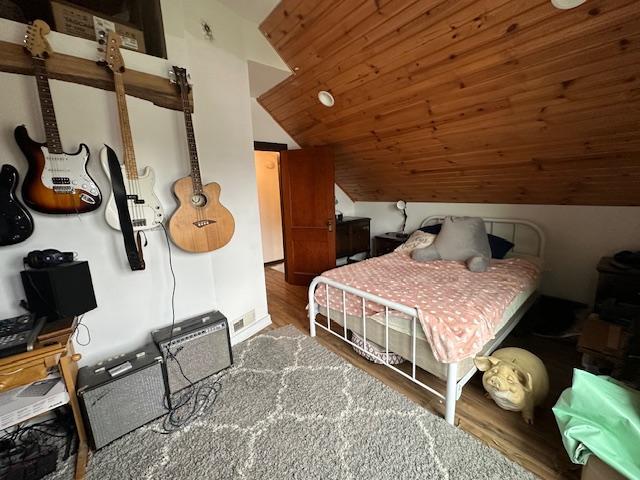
{"x":326,"y":98}
{"x":567,"y":4}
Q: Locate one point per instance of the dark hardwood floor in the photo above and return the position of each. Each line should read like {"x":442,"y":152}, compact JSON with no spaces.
{"x":536,"y":447}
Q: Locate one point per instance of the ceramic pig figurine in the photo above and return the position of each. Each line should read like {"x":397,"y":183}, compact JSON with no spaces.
{"x":515,"y":379}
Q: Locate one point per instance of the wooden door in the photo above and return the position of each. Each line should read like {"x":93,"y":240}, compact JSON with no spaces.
{"x":307,"y":180}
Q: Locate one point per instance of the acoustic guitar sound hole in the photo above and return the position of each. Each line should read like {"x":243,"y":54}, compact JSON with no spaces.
{"x":198,"y":200}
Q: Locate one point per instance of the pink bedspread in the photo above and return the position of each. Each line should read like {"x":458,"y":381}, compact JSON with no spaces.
{"x":459,"y":310}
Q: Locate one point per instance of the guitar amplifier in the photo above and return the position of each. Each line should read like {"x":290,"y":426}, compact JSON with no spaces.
{"x":121,"y":394}
{"x":195,"y":348}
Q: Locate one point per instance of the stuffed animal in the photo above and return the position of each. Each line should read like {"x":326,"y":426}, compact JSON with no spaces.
{"x":460,"y":238}
{"x":515,"y":379}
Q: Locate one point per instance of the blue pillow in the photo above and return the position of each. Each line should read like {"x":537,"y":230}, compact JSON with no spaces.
{"x":434,"y":229}
{"x":499,"y":246}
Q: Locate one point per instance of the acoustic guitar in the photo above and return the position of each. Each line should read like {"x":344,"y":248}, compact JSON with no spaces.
{"x":16,"y":224}
{"x":56,"y":182}
{"x":145,"y":209}
{"x":201,"y":223}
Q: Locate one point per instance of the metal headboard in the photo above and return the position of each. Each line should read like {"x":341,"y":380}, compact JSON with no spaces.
{"x":527,"y":237}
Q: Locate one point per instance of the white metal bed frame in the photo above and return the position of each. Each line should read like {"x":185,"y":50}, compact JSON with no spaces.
{"x":454,"y":386}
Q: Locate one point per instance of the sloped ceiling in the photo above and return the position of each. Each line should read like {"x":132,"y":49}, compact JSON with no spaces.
{"x":500,"y":101}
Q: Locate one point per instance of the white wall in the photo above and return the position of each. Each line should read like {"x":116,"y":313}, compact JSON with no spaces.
{"x":577,"y":236}
{"x":130,"y":304}
{"x":265,"y":129}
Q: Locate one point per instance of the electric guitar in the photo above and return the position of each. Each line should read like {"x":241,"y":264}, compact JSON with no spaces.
{"x":16,"y":224}
{"x":201,"y":223}
{"x":145,"y":209}
{"x":56,"y":182}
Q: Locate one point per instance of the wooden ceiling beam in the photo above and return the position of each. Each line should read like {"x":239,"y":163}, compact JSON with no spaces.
{"x":478,"y":65}
{"x":500,"y":101}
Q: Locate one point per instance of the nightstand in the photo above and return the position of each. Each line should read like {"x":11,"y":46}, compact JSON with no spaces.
{"x":387,"y":242}
{"x":616,"y":283}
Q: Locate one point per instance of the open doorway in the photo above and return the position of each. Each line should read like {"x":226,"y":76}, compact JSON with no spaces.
{"x":267,"y":163}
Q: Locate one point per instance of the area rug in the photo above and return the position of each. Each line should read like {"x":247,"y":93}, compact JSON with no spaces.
{"x":291,"y":409}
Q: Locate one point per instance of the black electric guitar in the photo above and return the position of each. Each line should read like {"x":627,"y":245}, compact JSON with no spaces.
{"x":16,"y":224}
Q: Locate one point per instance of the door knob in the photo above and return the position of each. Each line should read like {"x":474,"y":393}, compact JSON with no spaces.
{"x":330,"y":225}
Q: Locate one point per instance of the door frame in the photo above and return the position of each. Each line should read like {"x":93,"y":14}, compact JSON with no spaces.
{"x":269,"y":146}
{"x":275,"y":147}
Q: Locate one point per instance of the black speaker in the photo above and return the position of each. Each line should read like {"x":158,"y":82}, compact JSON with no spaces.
{"x":62,"y":291}
{"x":195,"y":348}
{"x":121,"y":394}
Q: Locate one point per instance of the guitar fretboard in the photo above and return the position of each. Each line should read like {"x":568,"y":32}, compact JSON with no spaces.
{"x":125,"y":127}
{"x":191,"y":141}
{"x":46,"y":105}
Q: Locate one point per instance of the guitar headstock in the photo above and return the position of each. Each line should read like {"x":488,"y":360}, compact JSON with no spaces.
{"x":109,"y":46}
{"x":180,"y":77}
{"x":35,"y":41}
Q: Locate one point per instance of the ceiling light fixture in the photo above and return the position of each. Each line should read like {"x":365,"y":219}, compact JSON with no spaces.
{"x":326,"y":98}
{"x":567,"y":4}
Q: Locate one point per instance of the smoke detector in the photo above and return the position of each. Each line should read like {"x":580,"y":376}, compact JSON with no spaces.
{"x":567,"y":4}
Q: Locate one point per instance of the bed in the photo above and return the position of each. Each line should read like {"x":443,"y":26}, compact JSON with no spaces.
{"x":437,"y":315}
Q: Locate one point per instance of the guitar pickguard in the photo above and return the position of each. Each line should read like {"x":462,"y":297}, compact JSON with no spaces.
{"x":16,"y":223}
{"x":145,"y":209}
{"x":66,"y":174}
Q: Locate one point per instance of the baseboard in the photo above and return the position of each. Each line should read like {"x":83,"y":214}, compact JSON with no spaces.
{"x":251,"y":330}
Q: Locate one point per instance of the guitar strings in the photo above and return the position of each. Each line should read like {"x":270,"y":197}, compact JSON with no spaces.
{"x":134,"y":188}
{"x":46,"y":103}
{"x":192,"y":145}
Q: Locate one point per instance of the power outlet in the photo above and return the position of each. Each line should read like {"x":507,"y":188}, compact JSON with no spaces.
{"x":246,"y":320}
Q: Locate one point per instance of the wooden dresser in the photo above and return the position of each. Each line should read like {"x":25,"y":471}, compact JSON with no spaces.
{"x":352,"y":236}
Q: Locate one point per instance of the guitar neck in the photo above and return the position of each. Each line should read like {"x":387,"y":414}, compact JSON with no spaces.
{"x":46,"y":106}
{"x":125,"y":127}
{"x":196,"y":179}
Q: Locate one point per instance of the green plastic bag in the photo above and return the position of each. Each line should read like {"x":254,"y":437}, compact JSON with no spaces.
{"x":600,"y":416}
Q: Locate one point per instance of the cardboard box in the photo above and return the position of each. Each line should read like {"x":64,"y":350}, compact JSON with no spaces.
{"x":83,"y":23}
{"x":596,"y":469}
{"x":604,"y":338}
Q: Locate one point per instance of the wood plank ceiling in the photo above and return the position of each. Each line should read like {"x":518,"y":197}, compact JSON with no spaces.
{"x":499,"y":101}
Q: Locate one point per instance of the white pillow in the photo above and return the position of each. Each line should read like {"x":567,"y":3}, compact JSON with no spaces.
{"x":418,"y":239}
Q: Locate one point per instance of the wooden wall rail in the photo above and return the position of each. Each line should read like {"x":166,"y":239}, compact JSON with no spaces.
{"x":499,"y":101}
{"x":158,"y":90}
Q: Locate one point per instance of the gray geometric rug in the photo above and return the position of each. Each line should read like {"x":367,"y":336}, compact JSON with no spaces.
{"x":291,"y":409}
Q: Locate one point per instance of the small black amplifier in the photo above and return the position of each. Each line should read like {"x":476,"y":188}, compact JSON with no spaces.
{"x":195,"y":348}
{"x":61,"y":291}
{"x":121,"y":394}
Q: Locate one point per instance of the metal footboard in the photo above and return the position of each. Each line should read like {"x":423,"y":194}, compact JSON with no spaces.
{"x":454,"y":386}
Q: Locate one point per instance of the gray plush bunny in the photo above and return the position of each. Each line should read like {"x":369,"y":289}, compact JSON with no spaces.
{"x":462,"y":239}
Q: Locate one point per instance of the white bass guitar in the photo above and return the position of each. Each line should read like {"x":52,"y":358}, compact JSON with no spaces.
{"x":145,"y":209}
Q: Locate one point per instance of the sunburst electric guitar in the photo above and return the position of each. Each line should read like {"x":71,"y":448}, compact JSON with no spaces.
{"x":56,"y":182}
{"x":201,"y":223}
{"x":145,"y":209}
